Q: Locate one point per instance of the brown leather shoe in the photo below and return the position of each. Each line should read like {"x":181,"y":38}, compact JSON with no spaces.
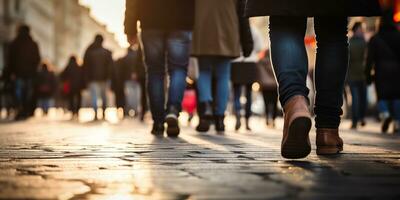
{"x":297,"y":125}
{"x":328,"y":141}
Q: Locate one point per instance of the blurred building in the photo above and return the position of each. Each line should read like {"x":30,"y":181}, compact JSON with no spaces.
{"x":61,"y":28}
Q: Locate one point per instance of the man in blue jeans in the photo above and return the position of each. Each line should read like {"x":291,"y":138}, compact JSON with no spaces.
{"x":166,"y":33}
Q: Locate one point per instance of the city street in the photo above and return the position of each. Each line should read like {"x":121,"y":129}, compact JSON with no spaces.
{"x":44,"y":158}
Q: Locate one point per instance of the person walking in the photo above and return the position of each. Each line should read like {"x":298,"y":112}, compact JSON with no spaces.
{"x":97,"y":66}
{"x":72,"y":78}
{"x":166,"y":38}
{"x":22,"y":65}
{"x":220,"y":30}
{"x":356,"y":74}
{"x":383,"y":68}
{"x":288,"y":20}
{"x":45,"y":86}
{"x":244,"y":74}
{"x":269,"y":88}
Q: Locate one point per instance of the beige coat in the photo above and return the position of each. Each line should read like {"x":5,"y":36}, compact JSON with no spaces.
{"x":216,"y":30}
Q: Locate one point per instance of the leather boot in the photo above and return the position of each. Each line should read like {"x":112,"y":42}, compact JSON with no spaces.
{"x":328,"y":141}
{"x":205,"y":114}
{"x":297,"y":125}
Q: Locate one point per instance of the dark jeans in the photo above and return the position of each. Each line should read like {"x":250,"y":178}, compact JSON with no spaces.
{"x":237,"y":93}
{"x":270,"y":103}
{"x":359,"y":100}
{"x":290,"y":62}
{"x":165,"y":50}
{"x":143,"y":96}
{"x":25,"y":96}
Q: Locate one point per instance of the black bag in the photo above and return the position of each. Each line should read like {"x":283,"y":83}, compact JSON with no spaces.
{"x":244,"y":73}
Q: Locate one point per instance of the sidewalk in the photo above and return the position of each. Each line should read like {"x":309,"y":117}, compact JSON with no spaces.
{"x":47,"y":159}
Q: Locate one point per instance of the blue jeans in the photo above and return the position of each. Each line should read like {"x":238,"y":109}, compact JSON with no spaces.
{"x":359,"y":100}
{"x":237,"y":93}
{"x":290,"y":62}
{"x":165,"y":50}
{"x":220,"y":69}
{"x":390,"y":106}
{"x":98,"y":90}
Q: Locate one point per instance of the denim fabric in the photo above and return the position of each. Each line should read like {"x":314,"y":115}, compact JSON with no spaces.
{"x":24,"y":94}
{"x":290,"y":62}
{"x":359,"y":100}
{"x":220,"y":69}
{"x":165,"y":51}
{"x":98,"y":91}
{"x":237,"y":93}
{"x":390,"y":106}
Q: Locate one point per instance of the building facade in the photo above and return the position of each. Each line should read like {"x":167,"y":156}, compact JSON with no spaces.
{"x":61,"y":28}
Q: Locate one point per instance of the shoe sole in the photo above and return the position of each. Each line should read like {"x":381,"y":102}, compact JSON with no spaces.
{"x":173,"y":126}
{"x":297,"y":144}
{"x":328,"y":150}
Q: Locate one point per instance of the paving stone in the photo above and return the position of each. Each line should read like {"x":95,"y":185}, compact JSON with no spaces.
{"x":49,"y":159}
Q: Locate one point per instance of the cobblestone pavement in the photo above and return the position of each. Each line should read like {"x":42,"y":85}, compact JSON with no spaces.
{"x":47,"y":159}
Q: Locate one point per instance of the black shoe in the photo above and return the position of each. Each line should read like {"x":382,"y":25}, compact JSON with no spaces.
{"x":385,"y":124}
{"x":219,"y":124}
{"x":353,"y":126}
{"x":205,"y":114}
{"x":248,"y":124}
{"x":158,"y":129}
{"x":238,"y":123}
{"x":172,"y":121}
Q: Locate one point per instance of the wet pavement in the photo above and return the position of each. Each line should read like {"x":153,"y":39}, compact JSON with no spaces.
{"x":48,"y":159}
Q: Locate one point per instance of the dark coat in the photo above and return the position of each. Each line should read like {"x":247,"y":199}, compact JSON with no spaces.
{"x":357,"y":52}
{"x":384,"y":58}
{"x":159,"y":15}
{"x":73,"y":73}
{"x":312,"y":7}
{"x":97,"y":63}
{"x":45,"y":83}
{"x":24,"y":57}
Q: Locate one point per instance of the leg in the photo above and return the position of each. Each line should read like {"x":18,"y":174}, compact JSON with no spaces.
{"x":154,"y":52}
{"x":331,"y":69}
{"x":290,"y":62}
{"x":363,"y":102}
{"x":237,"y":92}
{"x":289,"y":56}
{"x":103,"y":93}
{"x":94,"y":93}
{"x":222,"y":75}
{"x":355,"y":105}
{"x":204,"y":93}
{"x":330,"y":73}
{"x":249,"y":100}
{"x":178,"y":49}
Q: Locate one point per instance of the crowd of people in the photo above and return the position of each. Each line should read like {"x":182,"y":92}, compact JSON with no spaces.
{"x":193,"y":54}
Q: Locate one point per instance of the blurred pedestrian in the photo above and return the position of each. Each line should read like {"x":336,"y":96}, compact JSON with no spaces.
{"x":269,"y":88}
{"x":166,"y":37}
{"x":22,"y":63}
{"x":383,"y":68}
{"x":72,"y":85}
{"x":46,"y":86}
{"x":356,"y":74}
{"x":244,"y":74}
{"x":288,"y":23}
{"x":118,"y":85}
{"x":97,"y":65}
{"x":220,"y":32}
